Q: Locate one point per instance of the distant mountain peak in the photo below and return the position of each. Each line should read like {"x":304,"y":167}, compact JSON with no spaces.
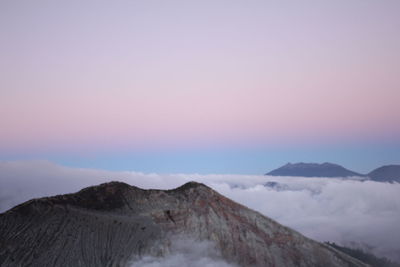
{"x":325,"y":169}
{"x":387,"y":173}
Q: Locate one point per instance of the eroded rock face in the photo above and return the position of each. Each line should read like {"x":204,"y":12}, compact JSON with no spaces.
{"x":114,"y":223}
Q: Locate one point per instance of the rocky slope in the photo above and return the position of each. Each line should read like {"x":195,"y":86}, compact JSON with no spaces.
{"x":114,"y":223}
{"x":388,"y":173}
{"x":313,"y":170}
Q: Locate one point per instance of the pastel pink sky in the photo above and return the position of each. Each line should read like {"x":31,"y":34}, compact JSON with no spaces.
{"x":181,"y":73}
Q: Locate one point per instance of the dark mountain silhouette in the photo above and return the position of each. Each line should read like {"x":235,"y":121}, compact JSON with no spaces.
{"x":313,"y":170}
{"x":388,"y":173}
{"x":115,"y":223}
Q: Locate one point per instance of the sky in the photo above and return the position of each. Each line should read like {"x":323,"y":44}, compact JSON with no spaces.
{"x":200,"y":86}
{"x":350,"y":212}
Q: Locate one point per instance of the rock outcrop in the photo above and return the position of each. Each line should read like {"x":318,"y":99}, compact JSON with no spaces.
{"x":115,"y":223}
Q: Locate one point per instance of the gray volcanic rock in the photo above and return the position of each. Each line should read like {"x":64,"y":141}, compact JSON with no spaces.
{"x":313,"y":170}
{"x":114,"y":223}
{"x":389,"y":173}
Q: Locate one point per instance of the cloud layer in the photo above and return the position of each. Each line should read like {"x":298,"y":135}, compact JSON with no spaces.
{"x":348,"y":212}
{"x":186,"y":252}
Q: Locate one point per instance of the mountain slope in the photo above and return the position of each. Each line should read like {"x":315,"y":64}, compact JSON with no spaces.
{"x":364,"y":256}
{"x":388,"y":173}
{"x":114,"y":223}
{"x":313,"y":170}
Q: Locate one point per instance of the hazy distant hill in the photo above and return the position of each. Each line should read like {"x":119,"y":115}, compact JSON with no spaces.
{"x":389,"y":173}
{"x":313,"y":170}
{"x":114,"y":223}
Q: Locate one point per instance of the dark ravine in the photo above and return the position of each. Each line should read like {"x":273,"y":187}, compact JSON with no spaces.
{"x":365,"y":256}
{"x":115,"y":223}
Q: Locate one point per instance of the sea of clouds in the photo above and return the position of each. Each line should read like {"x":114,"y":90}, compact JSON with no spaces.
{"x":346,"y":211}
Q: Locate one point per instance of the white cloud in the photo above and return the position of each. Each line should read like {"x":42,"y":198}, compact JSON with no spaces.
{"x":343,"y":211}
{"x":326,"y":209}
{"x":186,"y":252}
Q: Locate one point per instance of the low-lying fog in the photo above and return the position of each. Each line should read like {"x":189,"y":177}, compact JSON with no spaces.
{"x":346,"y":211}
